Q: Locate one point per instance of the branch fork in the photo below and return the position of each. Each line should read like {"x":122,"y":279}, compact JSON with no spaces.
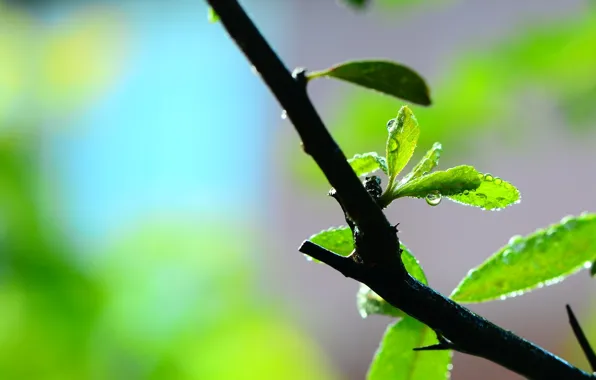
{"x":376,"y":261}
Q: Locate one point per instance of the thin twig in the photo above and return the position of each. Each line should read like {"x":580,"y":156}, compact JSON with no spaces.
{"x":344,"y":265}
{"x":581,"y":338}
{"x":381,"y":268}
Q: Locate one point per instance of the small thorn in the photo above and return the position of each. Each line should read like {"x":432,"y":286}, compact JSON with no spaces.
{"x":395,"y":227}
{"x":581,"y":338}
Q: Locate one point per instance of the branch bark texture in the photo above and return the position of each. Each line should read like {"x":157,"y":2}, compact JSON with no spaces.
{"x":375,"y":262}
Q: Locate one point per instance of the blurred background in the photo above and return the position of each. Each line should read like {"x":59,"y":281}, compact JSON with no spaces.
{"x":152,"y":199}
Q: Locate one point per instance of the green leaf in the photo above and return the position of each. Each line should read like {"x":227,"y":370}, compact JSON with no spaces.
{"x":492,"y":194}
{"x":449,"y":182}
{"x":396,"y":359}
{"x":367,"y":163}
{"x":369,"y":302}
{"x":426,"y":164}
{"x":542,"y":258}
{"x":212,"y":16}
{"x":401,"y":142}
{"x":358,"y":4}
{"x":386,"y":77}
{"x":335,"y":239}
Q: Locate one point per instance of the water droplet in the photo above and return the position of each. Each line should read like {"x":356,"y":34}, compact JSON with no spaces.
{"x":480,"y":176}
{"x":466,"y":192}
{"x":516,"y":242}
{"x":507,"y":185}
{"x":254,"y":70}
{"x":449,"y":367}
{"x":503,"y":297}
{"x":481,"y":198}
{"x":498,"y":181}
{"x":433,"y":198}
{"x":488,"y":177}
{"x":588,"y":264}
{"x":506,"y":256}
{"x":284,"y":115}
{"x":393,"y":145}
{"x":390,"y":124}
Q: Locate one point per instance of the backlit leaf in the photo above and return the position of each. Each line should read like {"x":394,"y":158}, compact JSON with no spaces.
{"x":542,"y":258}
{"x":335,"y":239}
{"x":426,"y":164}
{"x":367,"y":163}
{"x":492,"y":194}
{"x":401,"y":141}
{"x":396,"y":359}
{"x":449,"y":182}
{"x":384,"y":76}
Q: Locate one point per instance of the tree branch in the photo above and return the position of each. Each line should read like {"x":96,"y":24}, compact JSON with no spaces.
{"x":581,"y":338}
{"x":381,"y":268}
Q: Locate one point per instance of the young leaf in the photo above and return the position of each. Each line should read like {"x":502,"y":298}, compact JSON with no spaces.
{"x":335,"y":239}
{"x":367,"y":163}
{"x":369,"y":302}
{"x":401,"y":142}
{"x":492,"y":194}
{"x":384,"y":76}
{"x":396,"y":359}
{"x":212,"y":16}
{"x":545,"y":257}
{"x":426,"y":164}
{"x":449,"y":182}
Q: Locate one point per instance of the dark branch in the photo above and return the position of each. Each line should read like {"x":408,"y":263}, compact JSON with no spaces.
{"x":344,"y":265}
{"x":581,"y":338}
{"x":291,"y":94}
{"x":381,"y":267}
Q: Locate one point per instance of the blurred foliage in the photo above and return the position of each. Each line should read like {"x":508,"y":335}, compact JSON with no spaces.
{"x":50,"y":69}
{"x":482,"y":90}
{"x":170,"y":298}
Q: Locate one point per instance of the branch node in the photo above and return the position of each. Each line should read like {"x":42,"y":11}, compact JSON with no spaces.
{"x":299,"y":75}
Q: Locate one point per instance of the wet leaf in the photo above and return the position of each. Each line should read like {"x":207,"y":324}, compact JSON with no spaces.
{"x":542,"y":258}
{"x":401,"y":142}
{"x":449,"y":182}
{"x":493,"y":194}
{"x":396,"y":359}
{"x":426,"y":163}
{"x":367,"y":163}
{"x":335,"y":239}
{"x":384,"y":76}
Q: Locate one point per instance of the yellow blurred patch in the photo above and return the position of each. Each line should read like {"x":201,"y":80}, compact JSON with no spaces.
{"x":53,"y":70}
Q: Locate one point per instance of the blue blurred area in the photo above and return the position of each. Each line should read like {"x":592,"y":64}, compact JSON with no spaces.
{"x":181,"y":130}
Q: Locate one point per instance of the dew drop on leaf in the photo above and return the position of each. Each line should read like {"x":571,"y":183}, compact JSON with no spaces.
{"x":515,"y":239}
{"x":393,"y":145}
{"x":481,"y":198}
{"x":498,"y":181}
{"x":284,"y":115}
{"x":433,"y":198}
{"x":488,"y":177}
{"x":390,"y":124}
